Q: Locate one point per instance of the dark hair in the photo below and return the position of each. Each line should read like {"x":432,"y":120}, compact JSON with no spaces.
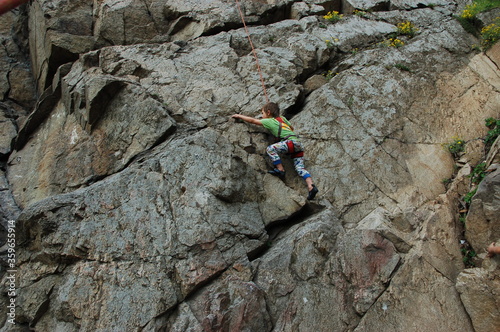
{"x":273,"y":108}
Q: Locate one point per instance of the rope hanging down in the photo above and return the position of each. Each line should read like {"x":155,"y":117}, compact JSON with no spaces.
{"x":6,"y":5}
{"x":253,"y":51}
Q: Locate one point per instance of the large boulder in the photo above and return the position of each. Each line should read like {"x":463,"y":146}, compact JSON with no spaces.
{"x":479,"y":290}
{"x":9,"y":132}
{"x":145,"y":206}
{"x":184,"y":223}
{"x":17,"y":85}
{"x":483,"y":219}
{"x":131,"y":123}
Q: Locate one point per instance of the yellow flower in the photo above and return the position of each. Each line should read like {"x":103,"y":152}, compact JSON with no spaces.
{"x":407,"y":28}
{"x":333,"y":16}
{"x":490,"y":34}
{"x":394,"y":42}
{"x":469,"y":12}
{"x":330,"y":74}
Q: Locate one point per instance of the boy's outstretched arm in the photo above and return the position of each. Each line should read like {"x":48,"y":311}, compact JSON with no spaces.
{"x":247,"y":119}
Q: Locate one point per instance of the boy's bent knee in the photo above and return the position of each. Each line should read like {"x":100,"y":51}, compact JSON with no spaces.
{"x":271,"y":149}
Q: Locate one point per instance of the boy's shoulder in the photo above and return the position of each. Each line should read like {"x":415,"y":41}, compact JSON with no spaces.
{"x":276,"y":119}
{"x":269,"y":120}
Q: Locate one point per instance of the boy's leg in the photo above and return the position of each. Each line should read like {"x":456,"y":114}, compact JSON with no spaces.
{"x":299,"y":167}
{"x":273,"y":150}
{"x":310,"y":184}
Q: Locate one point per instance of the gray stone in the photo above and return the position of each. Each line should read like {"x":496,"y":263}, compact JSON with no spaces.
{"x":417,"y":282}
{"x":9,"y":132}
{"x":483,"y":219}
{"x":140,"y":204}
{"x":479,"y":292}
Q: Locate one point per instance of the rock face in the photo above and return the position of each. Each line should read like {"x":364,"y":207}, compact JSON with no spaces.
{"x":140,"y":204}
{"x":484,"y":215}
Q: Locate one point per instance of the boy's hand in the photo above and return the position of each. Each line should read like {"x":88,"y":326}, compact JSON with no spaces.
{"x":247,"y":119}
{"x":237,"y":117}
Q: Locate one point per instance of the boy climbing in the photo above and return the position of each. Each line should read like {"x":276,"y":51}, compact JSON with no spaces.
{"x":289,"y":143}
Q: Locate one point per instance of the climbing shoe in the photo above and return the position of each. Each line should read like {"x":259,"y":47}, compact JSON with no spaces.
{"x":277,"y":172}
{"x":312,"y":193}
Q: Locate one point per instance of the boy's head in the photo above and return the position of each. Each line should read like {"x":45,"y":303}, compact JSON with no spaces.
{"x":271,"y":110}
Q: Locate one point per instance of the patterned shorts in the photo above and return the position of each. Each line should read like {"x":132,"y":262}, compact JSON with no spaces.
{"x":275,"y":149}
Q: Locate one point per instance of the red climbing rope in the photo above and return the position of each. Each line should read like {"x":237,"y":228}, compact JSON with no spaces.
{"x":6,"y":5}
{"x":253,"y":51}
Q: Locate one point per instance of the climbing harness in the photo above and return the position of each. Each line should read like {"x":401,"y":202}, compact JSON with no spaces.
{"x":289,"y":143}
{"x":282,"y":123}
{"x":253,"y":51}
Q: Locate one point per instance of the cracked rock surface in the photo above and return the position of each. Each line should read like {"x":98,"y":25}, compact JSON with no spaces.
{"x":140,"y":205}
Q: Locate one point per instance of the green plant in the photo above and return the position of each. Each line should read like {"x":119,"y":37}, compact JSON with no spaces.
{"x":456,"y":147}
{"x":469,"y":12}
{"x":475,"y":47}
{"x":395,"y":42}
{"x":360,"y":13}
{"x":330,"y":43}
{"x":478,"y":6}
{"x":407,"y":29}
{"x":391,"y":42}
{"x":468,"y":256}
{"x":350,"y":101}
{"x":490,"y":34}
{"x":333,"y":16}
{"x":329,"y":75}
{"x":469,"y":195}
{"x":478,"y":173}
{"x":402,"y":67}
{"x":446,"y":181}
{"x":494,"y":126}
{"x":468,"y":25}
{"x":491,"y":122}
